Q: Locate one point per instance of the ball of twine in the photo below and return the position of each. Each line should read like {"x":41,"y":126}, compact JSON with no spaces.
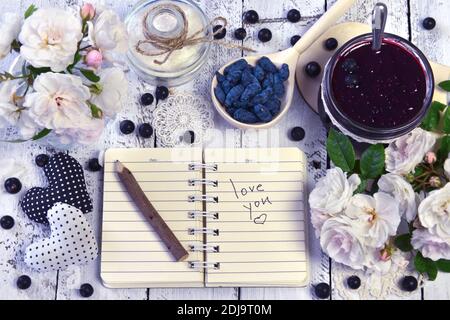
{"x":168,"y":45}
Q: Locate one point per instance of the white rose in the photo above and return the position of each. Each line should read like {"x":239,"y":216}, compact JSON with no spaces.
{"x":397,"y":187}
{"x":108,"y":34}
{"x":9,"y":30}
{"x":114,"y":90}
{"x":341,"y":239}
{"x":397,"y":261}
{"x":28,"y":127}
{"x":9,"y":103}
{"x":90,"y":133}
{"x":379,"y":214}
{"x":430,"y":245}
{"x":405,"y":153}
{"x":434,"y":212}
{"x":330,"y":196}
{"x":59,"y":101}
{"x":50,"y":39}
{"x":447,"y":168}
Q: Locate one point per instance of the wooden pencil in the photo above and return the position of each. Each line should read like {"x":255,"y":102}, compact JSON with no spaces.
{"x":156,"y":221}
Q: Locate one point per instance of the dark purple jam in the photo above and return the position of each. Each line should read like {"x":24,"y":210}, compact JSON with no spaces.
{"x":384,"y":89}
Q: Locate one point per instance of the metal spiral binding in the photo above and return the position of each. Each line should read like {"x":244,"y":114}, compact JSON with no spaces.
{"x":206,"y":214}
{"x":206,"y":166}
{"x":204,"y":265}
{"x":194,"y":231}
{"x":195,"y":182}
{"x":201,"y":198}
{"x":204,"y":248}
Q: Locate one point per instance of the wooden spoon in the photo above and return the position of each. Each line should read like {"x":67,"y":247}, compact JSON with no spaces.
{"x":290,"y":57}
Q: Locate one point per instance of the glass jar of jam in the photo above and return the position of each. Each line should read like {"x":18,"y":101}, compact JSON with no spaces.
{"x":377,"y":96}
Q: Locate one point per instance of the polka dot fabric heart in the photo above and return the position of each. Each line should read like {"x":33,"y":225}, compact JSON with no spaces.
{"x":66,"y":184}
{"x":72,"y":241}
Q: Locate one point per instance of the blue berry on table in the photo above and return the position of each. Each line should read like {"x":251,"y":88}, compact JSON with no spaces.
{"x":331,"y":44}
{"x":294,"y":39}
{"x":147,"y":99}
{"x":429,"y":23}
{"x":322,"y":290}
{"x":297,"y":134}
{"x":350,"y":65}
{"x":7,"y":222}
{"x":409,"y":283}
{"x":354,"y":282}
{"x":41,"y":160}
{"x":313,"y":69}
{"x":145,"y":130}
{"x":251,"y":16}
{"x":161,"y":93}
{"x":265,"y":35}
{"x":240,"y":33}
{"x":86,"y":290}
{"x":293,"y":15}
{"x":189,"y":137}
{"x":220,"y":34}
{"x":23,"y":282}
{"x":13,"y":185}
{"x":94,"y":165}
{"x":127,"y":126}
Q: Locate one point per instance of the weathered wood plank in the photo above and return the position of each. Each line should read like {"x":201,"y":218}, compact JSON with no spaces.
{"x":299,"y":115}
{"x":435,"y":45}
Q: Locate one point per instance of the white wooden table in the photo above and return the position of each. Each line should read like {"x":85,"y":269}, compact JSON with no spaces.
{"x":404,"y":19}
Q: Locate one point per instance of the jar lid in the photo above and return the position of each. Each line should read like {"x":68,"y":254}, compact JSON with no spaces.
{"x":151,"y":24}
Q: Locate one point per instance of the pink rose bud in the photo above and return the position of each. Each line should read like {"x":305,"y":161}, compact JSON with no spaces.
{"x":430,"y":157}
{"x":88,"y":11}
{"x":435,"y":182}
{"x":385,"y":255}
{"x":94,"y":59}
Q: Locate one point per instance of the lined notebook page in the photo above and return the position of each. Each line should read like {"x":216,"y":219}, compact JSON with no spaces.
{"x":132,"y":253}
{"x":260,"y":230}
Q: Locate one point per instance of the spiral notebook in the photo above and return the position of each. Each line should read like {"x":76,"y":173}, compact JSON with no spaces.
{"x":239,"y":212}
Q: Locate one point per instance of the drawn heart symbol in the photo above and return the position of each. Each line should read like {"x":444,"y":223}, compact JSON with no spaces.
{"x":66,"y":184}
{"x":72,"y":241}
{"x":260,"y":219}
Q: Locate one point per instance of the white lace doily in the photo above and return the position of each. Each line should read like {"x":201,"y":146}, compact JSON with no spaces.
{"x":374,"y":285}
{"x":177,"y":115}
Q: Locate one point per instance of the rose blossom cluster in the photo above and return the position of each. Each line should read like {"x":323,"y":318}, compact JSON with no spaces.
{"x":356,"y":229}
{"x":71,"y":83}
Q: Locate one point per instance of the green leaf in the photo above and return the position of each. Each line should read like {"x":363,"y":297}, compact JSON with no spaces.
{"x":431,"y":120}
{"x":362,"y":187}
{"x":426,"y":265}
{"x":90,"y":75}
{"x":41,"y":134}
{"x":96,"y":111}
{"x":403,"y":242}
{"x":445,"y":85}
{"x":341,"y":151}
{"x":372,"y":162}
{"x":443,"y":265}
{"x":444,"y":149}
{"x":31,"y":9}
{"x":77,"y":58}
{"x":446,"y":125}
{"x":37,"y":71}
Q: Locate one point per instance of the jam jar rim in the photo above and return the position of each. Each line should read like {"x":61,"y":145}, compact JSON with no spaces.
{"x":363,"y":131}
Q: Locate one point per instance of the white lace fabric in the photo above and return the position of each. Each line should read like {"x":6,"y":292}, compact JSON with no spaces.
{"x":374,"y":285}
{"x":179,"y":114}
